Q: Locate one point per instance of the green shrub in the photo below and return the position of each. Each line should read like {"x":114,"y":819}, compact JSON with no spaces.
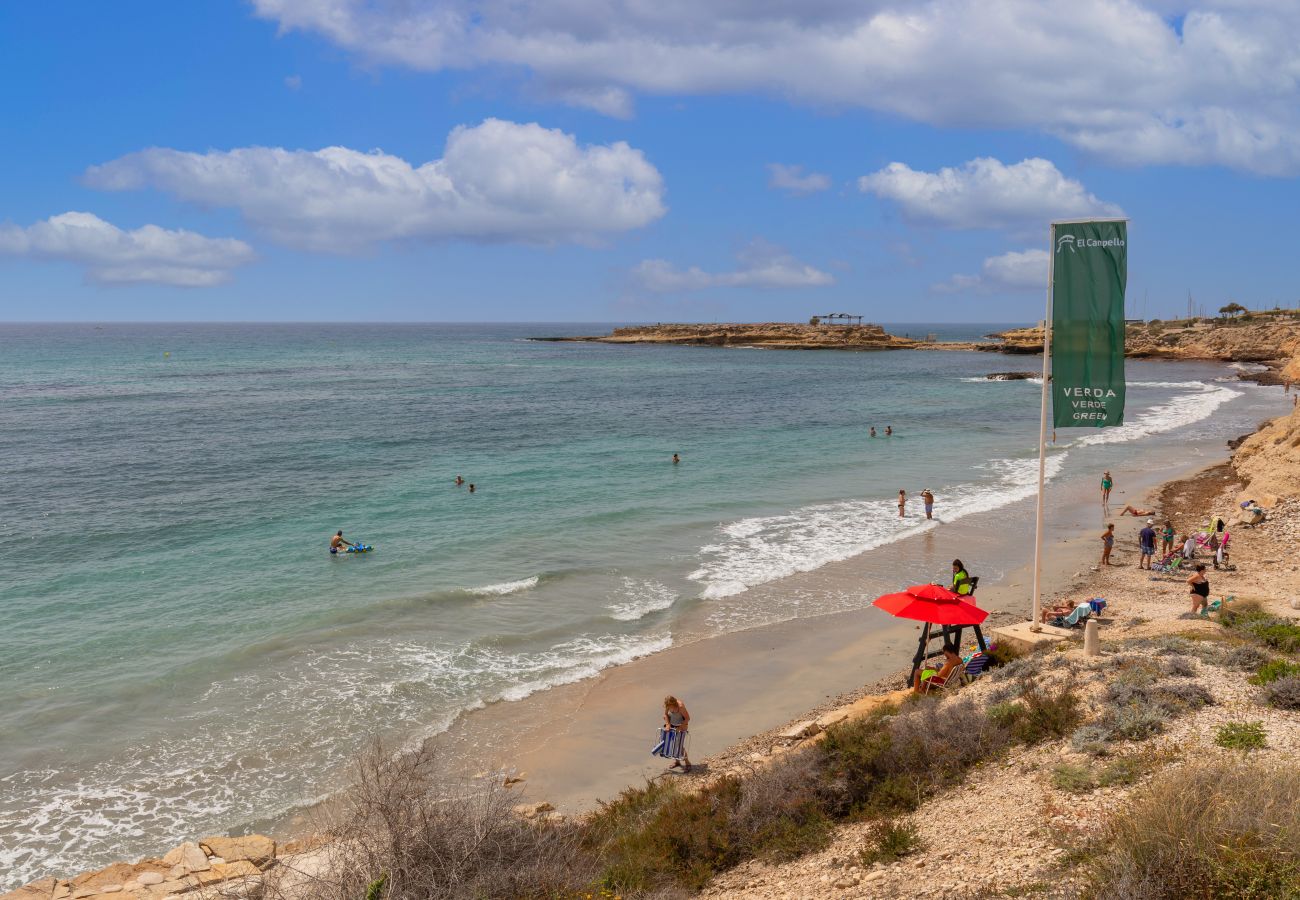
{"x":1073,"y":779}
{"x":1241,"y":736}
{"x":1280,"y":634}
{"x":1047,"y":714}
{"x":1285,"y":692}
{"x":889,"y":841}
{"x":1273,"y":670}
{"x":1205,"y":830}
{"x":1183,"y":696}
{"x":1125,"y":770}
{"x":890,"y":764}
{"x":1245,"y":657}
{"x":1092,"y":739}
{"x":1135,"y":722}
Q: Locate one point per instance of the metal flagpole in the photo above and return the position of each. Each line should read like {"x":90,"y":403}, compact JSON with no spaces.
{"x":1035,"y":623}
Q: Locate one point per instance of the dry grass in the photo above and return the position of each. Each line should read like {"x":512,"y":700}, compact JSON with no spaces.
{"x":1205,"y":830}
{"x":404,"y":833}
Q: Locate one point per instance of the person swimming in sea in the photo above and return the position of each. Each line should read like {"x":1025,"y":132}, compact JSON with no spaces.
{"x":873,"y":430}
{"x":471,"y":488}
{"x":889,"y":429}
{"x":676,"y":459}
{"x":459,"y":481}
{"x":337,"y":544}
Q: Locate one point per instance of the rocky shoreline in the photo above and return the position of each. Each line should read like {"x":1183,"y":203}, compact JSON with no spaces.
{"x":1264,"y":468}
{"x":1261,"y":337}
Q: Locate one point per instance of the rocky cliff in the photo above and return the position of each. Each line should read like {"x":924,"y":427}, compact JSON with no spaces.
{"x":1263,"y":337}
{"x":769,"y":335}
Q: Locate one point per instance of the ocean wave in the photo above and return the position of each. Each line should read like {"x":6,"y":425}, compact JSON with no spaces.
{"x":505,"y":587}
{"x":646,"y":597}
{"x":245,"y":759}
{"x":1177,"y":412}
{"x":760,"y":549}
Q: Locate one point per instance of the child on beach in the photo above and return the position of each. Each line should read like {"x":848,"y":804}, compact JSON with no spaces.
{"x":1107,"y":543}
{"x":672,"y":738}
{"x":1167,"y":539}
{"x":902,"y":502}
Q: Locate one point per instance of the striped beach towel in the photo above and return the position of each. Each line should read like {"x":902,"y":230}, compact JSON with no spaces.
{"x":672,"y":744}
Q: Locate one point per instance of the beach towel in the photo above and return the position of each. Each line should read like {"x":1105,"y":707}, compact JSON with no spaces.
{"x":1097,"y":604}
{"x":1081,"y":612}
{"x":672,"y":744}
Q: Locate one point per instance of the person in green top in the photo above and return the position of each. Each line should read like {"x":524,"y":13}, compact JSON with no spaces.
{"x":1106,"y":484}
{"x":960,"y":579}
{"x":1167,"y":539}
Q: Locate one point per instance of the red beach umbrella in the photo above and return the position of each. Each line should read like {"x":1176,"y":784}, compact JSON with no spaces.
{"x":932,"y":603}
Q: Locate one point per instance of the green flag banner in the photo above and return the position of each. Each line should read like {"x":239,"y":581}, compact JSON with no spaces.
{"x":1089,"y":274}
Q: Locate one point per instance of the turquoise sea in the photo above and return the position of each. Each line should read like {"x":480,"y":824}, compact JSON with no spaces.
{"x":180,"y":654}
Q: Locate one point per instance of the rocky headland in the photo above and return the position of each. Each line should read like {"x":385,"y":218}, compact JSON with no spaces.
{"x":768,"y":335}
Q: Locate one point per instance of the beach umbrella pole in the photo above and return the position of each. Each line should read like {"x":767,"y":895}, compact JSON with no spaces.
{"x":921,"y":649}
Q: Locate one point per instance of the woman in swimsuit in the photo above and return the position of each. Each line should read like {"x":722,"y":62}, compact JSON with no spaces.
{"x":1106,"y":485}
{"x":1200,"y":589}
{"x":676,"y":718}
{"x":1107,"y":543}
{"x":902,"y":501}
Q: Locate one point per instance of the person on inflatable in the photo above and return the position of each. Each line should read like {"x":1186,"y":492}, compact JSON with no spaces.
{"x":337,"y":543}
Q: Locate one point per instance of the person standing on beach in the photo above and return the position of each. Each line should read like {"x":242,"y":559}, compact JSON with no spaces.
{"x":1167,"y":539}
{"x":1107,"y":543}
{"x":1200,"y":589}
{"x":902,"y":502}
{"x":1106,"y":484}
{"x":927,"y":497}
{"x":677,"y":721}
{"x":1147,"y":544}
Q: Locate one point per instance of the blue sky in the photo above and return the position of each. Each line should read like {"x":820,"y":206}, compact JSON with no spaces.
{"x":616,"y":162}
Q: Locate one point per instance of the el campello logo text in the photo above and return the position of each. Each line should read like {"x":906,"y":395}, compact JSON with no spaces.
{"x":1069,"y":240}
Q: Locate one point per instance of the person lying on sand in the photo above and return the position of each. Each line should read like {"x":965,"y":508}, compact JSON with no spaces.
{"x":1134,"y":511}
{"x":1063,"y":609}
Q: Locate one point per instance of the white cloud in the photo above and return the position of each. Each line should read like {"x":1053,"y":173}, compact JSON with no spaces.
{"x":762,"y":265}
{"x":985,"y":193}
{"x":1114,"y":77}
{"x":112,"y":256}
{"x":498,"y":181}
{"x":1015,"y":271}
{"x":793,"y":180}
{"x":293,"y":82}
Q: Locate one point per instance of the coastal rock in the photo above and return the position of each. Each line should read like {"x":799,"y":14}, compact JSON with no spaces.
{"x":256,"y":848}
{"x":225,"y":872}
{"x":800,"y":730}
{"x":1012,"y":376}
{"x":768,"y":335}
{"x":189,"y":856}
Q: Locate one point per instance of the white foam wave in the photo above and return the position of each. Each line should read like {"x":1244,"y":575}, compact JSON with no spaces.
{"x":505,"y":587}
{"x":243,"y":758}
{"x":1199,"y":401}
{"x":985,"y":379}
{"x":646,"y":597}
{"x":760,"y":549}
